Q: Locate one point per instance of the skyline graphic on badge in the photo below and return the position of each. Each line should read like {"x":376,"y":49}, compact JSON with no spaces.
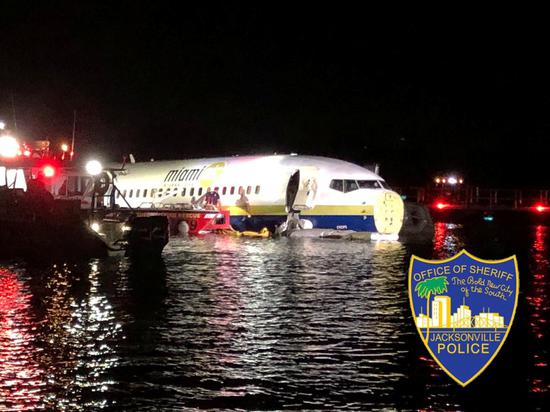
{"x":463,"y":308}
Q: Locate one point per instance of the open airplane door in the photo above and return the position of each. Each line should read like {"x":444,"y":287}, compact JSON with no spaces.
{"x":301,"y":189}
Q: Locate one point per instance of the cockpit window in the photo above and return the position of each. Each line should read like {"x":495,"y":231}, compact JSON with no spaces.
{"x":350,"y":186}
{"x":337,"y":185}
{"x":370,"y":184}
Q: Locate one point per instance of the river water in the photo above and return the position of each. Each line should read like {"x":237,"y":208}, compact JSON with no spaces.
{"x":232,"y":323}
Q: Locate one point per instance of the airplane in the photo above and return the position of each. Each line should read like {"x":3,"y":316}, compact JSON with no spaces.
{"x":260,"y":191}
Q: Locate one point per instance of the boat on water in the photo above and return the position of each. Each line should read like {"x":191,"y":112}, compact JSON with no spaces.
{"x":39,"y":222}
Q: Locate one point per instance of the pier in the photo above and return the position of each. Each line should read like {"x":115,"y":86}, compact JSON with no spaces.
{"x":477,"y":197}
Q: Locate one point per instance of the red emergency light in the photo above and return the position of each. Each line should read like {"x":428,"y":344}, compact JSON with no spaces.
{"x":540,"y":208}
{"x":48,"y":171}
{"x":440,"y":205}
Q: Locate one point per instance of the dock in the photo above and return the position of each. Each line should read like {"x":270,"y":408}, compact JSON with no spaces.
{"x":469,"y":203}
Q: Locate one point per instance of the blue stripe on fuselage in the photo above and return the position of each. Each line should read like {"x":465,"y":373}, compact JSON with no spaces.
{"x":359,"y":223}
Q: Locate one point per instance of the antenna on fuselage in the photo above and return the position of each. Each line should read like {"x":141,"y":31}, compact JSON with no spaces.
{"x":74,"y":133}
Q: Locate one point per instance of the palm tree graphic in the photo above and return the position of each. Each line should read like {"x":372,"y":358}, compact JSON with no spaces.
{"x":424,"y":289}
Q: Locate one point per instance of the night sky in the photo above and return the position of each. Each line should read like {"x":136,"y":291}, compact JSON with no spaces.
{"x":418,"y":95}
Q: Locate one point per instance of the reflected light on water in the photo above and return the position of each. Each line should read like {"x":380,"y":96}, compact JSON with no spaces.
{"x":536,"y":289}
{"x":287,"y":323}
{"x":63,"y":359}
{"x":84,"y":339}
{"x":235,"y":323}
{"x":21,"y":378}
{"x":448,"y":240}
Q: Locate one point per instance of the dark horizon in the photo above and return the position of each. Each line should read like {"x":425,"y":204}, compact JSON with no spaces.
{"x":416,"y":96}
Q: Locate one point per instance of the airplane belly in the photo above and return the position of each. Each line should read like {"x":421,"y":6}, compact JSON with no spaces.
{"x":359,"y":223}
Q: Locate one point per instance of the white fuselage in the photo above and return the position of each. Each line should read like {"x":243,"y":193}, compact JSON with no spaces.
{"x":331,"y":193}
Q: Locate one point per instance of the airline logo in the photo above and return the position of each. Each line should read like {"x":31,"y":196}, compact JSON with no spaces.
{"x":206,"y":175}
{"x":181,"y":175}
{"x":211,"y":173}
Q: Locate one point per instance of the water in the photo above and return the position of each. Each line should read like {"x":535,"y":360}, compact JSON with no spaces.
{"x":236,"y":323}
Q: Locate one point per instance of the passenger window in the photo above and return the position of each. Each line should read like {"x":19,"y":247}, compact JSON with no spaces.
{"x":257,"y":190}
{"x":118,"y":194}
{"x":249,"y":190}
{"x":192,"y":191}
{"x":200,"y":191}
{"x":183,"y":192}
{"x":337,"y":185}
{"x":137,"y":192}
{"x":224,"y":190}
{"x":124,"y":193}
{"x":153,"y":192}
{"x":232,"y":191}
{"x":350,"y":186}
{"x":144,"y":192}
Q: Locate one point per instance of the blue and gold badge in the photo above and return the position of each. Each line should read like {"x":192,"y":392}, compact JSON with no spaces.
{"x":463,"y":308}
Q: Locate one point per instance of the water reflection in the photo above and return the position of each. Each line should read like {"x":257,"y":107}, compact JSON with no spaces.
{"x":86,"y":346}
{"x":223,"y":322}
{"x":22,"y":379}
{"x":448,"y":240}
{"x":286,"y":323}
{"x":69,"y":351}
{"x":536,"y":290}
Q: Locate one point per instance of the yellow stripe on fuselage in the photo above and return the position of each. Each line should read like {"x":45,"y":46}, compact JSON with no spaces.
{"x":331,"y":210}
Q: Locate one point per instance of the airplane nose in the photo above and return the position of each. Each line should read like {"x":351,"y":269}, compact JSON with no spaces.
{"x":388,"y":212}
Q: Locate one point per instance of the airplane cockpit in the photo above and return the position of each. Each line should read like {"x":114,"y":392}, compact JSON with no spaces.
{"x":350,"y":185}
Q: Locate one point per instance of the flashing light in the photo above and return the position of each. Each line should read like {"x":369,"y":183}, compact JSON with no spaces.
{"x":2,"y":125}
{"x":540,"y":208}
{"x":27,"y":153}
{"x":48,"y":171}
{"x":8,"y":146}
{"x":93,"y":167}
{"x":441,"y":205}
{"x":65,"y":147}
{"x":95,"y":227}
{"x":126,"y":228}
{"x":488,"y":218}
{"x":449,"y":179}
